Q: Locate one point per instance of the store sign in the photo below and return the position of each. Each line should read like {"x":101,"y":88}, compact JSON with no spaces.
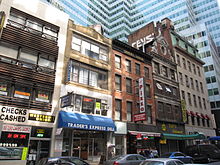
{"x":14,"y":139}
{"x":41,"y":118}
{"x":183,"y":105}
{"x":142,"y":95}
{"x":143,"y":41}
{"x":66,"y":100}
{"x":14,"y":128}
{"x":140,"y":117}
{"x":13,"y":114}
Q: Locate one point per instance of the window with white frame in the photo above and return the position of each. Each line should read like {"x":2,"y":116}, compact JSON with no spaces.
{"x":89,"y":48}
{"x":88,"y":75}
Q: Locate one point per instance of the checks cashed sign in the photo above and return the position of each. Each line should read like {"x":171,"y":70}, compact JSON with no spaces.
{"x":13,"y":114}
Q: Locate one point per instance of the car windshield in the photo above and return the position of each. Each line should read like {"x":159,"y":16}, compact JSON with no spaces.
{"x":166,"y":155}
{"x":153,"y":163}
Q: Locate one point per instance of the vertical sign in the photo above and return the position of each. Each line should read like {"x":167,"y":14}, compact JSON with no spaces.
{"x":183,"y":105}
{"x":142,"y":95}
{"x":2,"y":21}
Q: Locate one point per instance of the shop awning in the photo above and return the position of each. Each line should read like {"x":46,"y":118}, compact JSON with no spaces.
{"x":183,"y":137}
{"x":154,"y":134}
{"x":83,"y":121}
{"x":214,"y":138}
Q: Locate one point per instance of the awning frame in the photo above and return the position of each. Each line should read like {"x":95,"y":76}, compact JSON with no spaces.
{"x":154,"y":134}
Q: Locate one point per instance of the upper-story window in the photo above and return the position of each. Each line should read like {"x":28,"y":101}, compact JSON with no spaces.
{"x":89,"y":48}
{"x":88,"y":75}
{"x":164,"y":71}
{"x":172,"y":74}
{"x":189,"y":66}
{"x":128,"y":85}
{"x":117,"y":62}
{"x":178,"y":60}
{"x":128,"y":65}
{"x":156,"y":68}
{"x":137,"y":68}
{"x":33,"y":25}
{"x":184,"y":63}
{"x":146,"y":72}
{"x":25,"y":56}
{"x":194,"y":68}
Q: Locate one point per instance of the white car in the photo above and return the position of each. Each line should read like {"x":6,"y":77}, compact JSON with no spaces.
{"x":162,"y":161}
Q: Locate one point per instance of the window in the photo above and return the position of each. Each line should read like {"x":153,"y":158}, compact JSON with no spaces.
{"x":211,"y":79}
{"x":184,"y":63}
{"x":148,"y":93}
{"x":194,"y":100}
{"x":197,"y":85}
{"x":164,"y":71}
{"x":137,"y":69}
{"x":204,"y":103}
{"x":129,"y":111}
{"x":146,"y":72}
{"x":178,"y":60}
{"x":172,"y":74}
{"x":213,"y":91}
{"x":198,"y":69}
{"x":181,"y":78}
{"x":3,"y":88}
{"x":118,"y":82}
{"x":201,"y":87}
{"x":88,"y":105}
{"x":128,"y":65}
{"x":117,"y":62}
{"x":198,"y":121}
{"x":88,"y":75}
{"x":193,"y":120}
{"x":137,"y":88}
{"x":22,"y":92}
{"x":189,"y":99}
{"x":199,"y":100}
{"x":128,"y":85}
{"x":8,"y":50}
{"x":194,"y":68}
{"x":189,"y":66}
{"x":28,"y":56}
{"x":89,"y":48}
{"x":156,"y":68}
{"x":187,"y":80}
{"x":149,"y":114}
{"x":117,"y":109}
{"x":183,"y":95}
{"x":47,"y":61}
{"x":192,"y":82}
{"x":42,"y":95}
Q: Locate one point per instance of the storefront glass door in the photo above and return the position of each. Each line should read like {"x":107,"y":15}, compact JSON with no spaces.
{"x":37,"y":149}
{"x":76,"y":150}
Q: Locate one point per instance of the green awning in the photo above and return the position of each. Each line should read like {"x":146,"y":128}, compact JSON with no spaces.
{"x":182,"y":137}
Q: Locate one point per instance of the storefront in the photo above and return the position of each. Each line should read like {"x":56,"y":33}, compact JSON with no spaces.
{"x":84,"y":136}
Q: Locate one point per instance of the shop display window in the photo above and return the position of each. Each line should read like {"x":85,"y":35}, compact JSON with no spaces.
{"x":42,"y":95}
{"x":88,"y":105}
{"x":22,"y":92}
{"x":3,"y":88}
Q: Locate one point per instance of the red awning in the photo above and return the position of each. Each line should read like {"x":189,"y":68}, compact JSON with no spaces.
{"x":207,"y":117}
{"x":198,"y":115}
{"x":203,"y":116}
{"x":192,"y":113}
{"x":155,"y":134}
{"x":188,"y":112}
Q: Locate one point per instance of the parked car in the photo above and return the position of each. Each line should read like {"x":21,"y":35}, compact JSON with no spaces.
{"x":128,"y":159}
{"x":178,"y":155}
{"x":62,"y":161}
{"x":162,"y":161}
{"x":203,"y":153}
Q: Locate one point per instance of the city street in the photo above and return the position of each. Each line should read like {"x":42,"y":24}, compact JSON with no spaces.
{"x":215,"y":163}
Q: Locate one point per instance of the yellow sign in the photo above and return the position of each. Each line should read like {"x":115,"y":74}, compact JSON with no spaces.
{"x":183,"y":105}
{"x":98,"y":105}
{"x":41,"y":118}
{"x":163,"y":127}
{"x":163,"y":141}
{"x":24,"y":153}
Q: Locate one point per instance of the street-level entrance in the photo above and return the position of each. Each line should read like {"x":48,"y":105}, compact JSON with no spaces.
{"x":38,"y":149}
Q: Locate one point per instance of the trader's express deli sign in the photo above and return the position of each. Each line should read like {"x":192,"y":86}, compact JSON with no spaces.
{"x":13,"y":114}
